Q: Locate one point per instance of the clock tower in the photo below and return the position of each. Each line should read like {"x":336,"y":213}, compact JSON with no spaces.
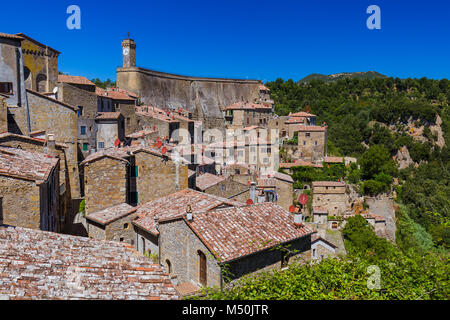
{"x":129,"y":53}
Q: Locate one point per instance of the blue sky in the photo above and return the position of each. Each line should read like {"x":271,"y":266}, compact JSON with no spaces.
{"x":242,"y":39}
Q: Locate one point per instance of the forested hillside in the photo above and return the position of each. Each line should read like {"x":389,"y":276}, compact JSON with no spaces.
{"x":372,"y":120}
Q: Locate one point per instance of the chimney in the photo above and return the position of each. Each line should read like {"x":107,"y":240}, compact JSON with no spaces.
{"x":51,"y":145}
{"x":253,"y":192}
{"x":189,"y":216}
{"x":298,"y":219}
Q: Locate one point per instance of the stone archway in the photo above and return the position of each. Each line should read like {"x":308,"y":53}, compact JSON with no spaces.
{"x":41,"y":83}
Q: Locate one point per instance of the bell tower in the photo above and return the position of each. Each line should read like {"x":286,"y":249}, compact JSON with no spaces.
{"x":129,"y":52}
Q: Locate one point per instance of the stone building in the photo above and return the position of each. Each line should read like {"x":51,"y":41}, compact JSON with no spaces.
{"x":125,"y":103}
{"x":113,"y":223}
{"x":29,"y":189}
{"x":321,"y":248}
{"x":199,"y":249}
{"x":110,"y":129}
{"x":80,"y":92}
{"x":205,"y":98}
{"x":40,"y":65}
{"x":276,"y":187}
{"x":330,"y":195}
{"x":47,"y":146}
{"x":49,"y":266}
{"x":312,"y":142}
{"x":244,"y":114}
{"x":133,"y":175}
{"x":12,"y":83}
{"x":173,"y":205}
{"x":223,"y":187}
{"x":320,"y":215}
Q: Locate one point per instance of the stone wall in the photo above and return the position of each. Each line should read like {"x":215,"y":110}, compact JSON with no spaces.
{"x":21,"y":203}
{"x":336,"y":204}
{"x":230,"y":189}
{"x":204,"y":97}
{"x":384,"y":206}
{"x":61,"y":120}
{"x":180,"y":246}
{"x":307,"y":147}
{"x":157,"y":177}
{"x":105,"y":184}
{"x":285,"y":191}
{"x":121,"y":230}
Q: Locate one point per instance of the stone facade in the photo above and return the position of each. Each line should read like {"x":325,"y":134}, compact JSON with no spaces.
{"x":331,"y":196}
{"x":230,"y":189}
{"x":312,"y":143}
{"x":181,"y":247}
{"x":158,"y":177}
{"x":41,"y":65}
{"x":59,"y":119}
{"x":105,"y":183}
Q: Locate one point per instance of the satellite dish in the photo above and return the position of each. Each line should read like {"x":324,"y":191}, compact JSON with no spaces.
{"x":164,"y":150}
{"x":291,"y":209}
{"x":249,"y":202}
{"x":117,"y":143}
{"x":55,"y":90}
{"x":303,"y":199}
{"x":159,"y":144}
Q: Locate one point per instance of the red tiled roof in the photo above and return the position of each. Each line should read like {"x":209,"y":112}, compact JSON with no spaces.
{"x":44,"y":265}
{"x":328,"y":184}
{"x":10,"y":36}
{"x":207,"y":180}
{"x":333,"y":159}
{"x":120,"y":154}
{"x":114,"y":94}
{"x":233,"y":233}
{"x":111,"y":214}
{"x":310,"y":128}
{"x":28,"y":165}
{"x":74,"y":80}
{"x":247,"y":106}
{"x":6,"y":135}
{"x":263,"y":88}
{"x":141,"y":133}
{"x":315,"y":237}
{"x":174,"y":206}
{"x":300,"y":163}
{"x":302,"y":114}
{"x":108,"y":116}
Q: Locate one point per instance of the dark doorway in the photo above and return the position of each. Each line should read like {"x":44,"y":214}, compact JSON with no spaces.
{"x":202,"y":268}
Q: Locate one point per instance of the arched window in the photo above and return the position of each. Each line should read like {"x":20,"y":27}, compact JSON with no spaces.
{"x":202,"y":268}
{"x":41,"y":83}
{"x":169,"y":266}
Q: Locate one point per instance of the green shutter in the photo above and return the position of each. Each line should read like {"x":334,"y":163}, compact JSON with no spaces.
{"x":136,"y":173}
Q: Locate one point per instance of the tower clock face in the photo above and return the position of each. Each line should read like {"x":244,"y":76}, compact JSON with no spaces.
{"x":126,"y":51}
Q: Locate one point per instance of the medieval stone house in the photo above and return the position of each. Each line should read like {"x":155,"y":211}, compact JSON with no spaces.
{"x":133,"y":175}
{"x":223,"y":187}
{"x":29,"y":189}
{"x":212,"y":247}
{"x":330,"y":195}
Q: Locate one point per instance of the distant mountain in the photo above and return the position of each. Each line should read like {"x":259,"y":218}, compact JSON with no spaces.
{"x":333,"y":77}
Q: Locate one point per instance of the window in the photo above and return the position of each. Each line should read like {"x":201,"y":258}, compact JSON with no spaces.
{"x":80,"y":110}
{"x":308,"y":134}
{"x":101,"y":145}
{"x":85,"y":146}
{"x":202,"y":268}
{"x":304,"y":143}
{"x":169,"y":266}
{"x":315,"y":143}
{"x":125,"y":226}
{"x":83,"y":130}
{"x":6,"y":87}
{"x":121,"y":239}
{"x":314,"y":253}
{"x":134,"y":171}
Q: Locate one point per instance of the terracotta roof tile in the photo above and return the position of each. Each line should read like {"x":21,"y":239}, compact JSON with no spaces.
{"x":174,"y":206}
{"x":328,"y":184}
{"x":74,"y":80}
{"x":207,"y":180}
{"x":111,"y":214}
{"x":320,"y":210}
{"x":300,"y":163}
{"x":333,"y":159}
{"x":43,"y":265}
{"x":29,"y":165}
{"x":10,"y":36}
{"x":310,"y":128}
{"x":233,"y":233}
{"x":108,"y":116}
